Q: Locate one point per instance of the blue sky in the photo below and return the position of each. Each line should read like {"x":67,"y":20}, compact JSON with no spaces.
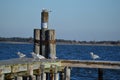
{"x":72,"y":19}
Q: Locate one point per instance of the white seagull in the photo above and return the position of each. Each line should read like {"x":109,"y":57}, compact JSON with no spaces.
{"x":21,"y":55}
{"x":94,"y":56}
{"x":37,"y":56}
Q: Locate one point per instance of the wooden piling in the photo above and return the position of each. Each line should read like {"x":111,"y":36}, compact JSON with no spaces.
{"x":32,"y":77}
{"x":1,"y":76}
{"x":9,"y":76}
{"x":25,"y":77}
{"x":38,"y":76}
{"x":61,"y":75}
{"x":51,"y":46}
{"x":48,"y":43}
{"x":51,"y":72}
{"x":30,"y":72}
{"x":56,"y":74}
{"x":19,"y":78}
{"x":100,"y":74}
{"x":44,"y":27}
{"x":67,"y":73}
{"x":43,"y":75}
{"x":43,"y":43}
{"x":37,"y":41}
{"x":47,"y":76}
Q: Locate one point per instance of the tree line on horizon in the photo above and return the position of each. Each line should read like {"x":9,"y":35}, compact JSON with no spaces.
{"x":31,"y":40}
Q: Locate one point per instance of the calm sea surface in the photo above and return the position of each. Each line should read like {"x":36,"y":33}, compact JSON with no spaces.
{"x":74,"y":52}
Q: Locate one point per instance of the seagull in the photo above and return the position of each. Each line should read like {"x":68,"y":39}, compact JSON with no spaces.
{"x":43,"y":9}
{"x":94,"y":56}
{"x":37,"y":56}
{"x":21,"y":55}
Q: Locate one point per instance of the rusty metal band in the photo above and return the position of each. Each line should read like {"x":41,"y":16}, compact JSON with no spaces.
{"x":48,"y":42}
{"x":36,"y":41}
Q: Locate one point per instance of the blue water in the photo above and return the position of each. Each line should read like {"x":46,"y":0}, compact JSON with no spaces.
{"x":74,"y":52}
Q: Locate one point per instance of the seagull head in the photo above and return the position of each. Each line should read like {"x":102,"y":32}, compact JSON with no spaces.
{"x":91,"y":53}
{"x":18,"y":53}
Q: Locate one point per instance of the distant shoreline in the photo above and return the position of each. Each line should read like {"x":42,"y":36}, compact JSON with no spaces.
{"x":62,"y":43}
{"x":86,"y":44}
{"x":12,"y":42}
{"x":30,"y":40}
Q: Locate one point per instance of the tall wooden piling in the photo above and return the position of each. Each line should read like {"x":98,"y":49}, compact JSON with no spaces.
{"x":44,"y":28}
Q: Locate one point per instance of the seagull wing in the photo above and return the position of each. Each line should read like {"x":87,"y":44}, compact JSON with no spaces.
{"x":40,"y":56}
{"x":96,"y":56}
{"x":34,"y":55}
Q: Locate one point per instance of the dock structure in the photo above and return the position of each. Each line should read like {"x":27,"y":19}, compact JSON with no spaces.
{"x":27,"y":69}
{"x":49,"y":68}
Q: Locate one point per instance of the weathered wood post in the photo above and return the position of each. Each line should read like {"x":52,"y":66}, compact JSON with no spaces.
{"x":19,"y":78}
{"x":37,"y":41}
{"x":67,"y":73}
{"x":30,"y":73}
{"x":43,"y":75}
{"x":25,"y":77}
{"x":51,"y":72}
{"x":61,"y":75}
{"x":48,"y":76}
{"x":51,"y":46}
{"x":9,"y":76}
{"x":100,"y":74}
{"x":1,"y":76}
{"x":38,"y":76}
{"x":56,"y":74}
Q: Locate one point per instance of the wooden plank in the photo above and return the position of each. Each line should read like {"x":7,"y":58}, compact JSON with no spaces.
{"x":91,"y":64}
